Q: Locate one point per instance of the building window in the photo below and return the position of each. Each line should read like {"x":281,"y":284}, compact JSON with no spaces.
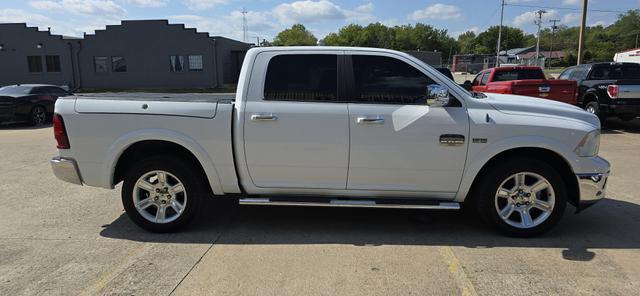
{"x":35,"y":63}
{"x":177,"y":63}
{"x":53,"y":63}
{"x":118,"y":64}
{"x":100,"y":64}
{"x":195,"y":63}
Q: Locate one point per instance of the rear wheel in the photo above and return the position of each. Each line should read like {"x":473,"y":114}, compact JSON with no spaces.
{"x":593,"y":108}
{"x":38,"y":116}
{"x":522,"y":197}
{"x":161,"y":193}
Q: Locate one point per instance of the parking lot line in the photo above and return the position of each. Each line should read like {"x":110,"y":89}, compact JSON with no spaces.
{"x":457,"y":271}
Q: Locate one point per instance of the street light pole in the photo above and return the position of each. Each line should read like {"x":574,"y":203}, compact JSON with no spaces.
{"x":500,"y":34}
{"x":582,"y":31}
{"x":553,"y":32}
{"x":539,"y":23}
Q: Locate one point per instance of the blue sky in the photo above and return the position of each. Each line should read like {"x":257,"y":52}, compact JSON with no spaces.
{"x":267,"y":17}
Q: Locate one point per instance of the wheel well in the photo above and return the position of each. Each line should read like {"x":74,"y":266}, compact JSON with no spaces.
{"x":155,"y":147}
{"x":590,"y":97}
{"x":549,"y":157}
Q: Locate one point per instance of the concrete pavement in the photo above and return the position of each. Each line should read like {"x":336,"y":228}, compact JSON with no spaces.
{"x":58,"y":238}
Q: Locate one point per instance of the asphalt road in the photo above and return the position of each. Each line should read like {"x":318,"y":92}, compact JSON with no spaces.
{"x":58,"y":238}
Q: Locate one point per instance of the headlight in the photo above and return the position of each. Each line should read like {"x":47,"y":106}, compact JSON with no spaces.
{"x":589,"y":145}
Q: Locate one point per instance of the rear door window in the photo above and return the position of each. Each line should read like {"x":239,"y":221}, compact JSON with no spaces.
{"x":566,"y":74}
{"x":309,"y":78}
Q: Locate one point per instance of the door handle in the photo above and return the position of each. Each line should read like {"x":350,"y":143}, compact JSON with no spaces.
{"x":263,"y":117}
{"x":370,"y":120}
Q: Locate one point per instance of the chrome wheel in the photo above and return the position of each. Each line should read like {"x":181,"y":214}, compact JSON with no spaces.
{"x":525,"y":200}
{"x":159,"y":197}
{"x":38,"y":116}
{"x":591,"y":109}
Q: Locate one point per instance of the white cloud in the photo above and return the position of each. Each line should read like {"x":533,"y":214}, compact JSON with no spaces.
{"x":570,"y":19}
{"x":203,"y":4}
{"x":571,"y":2}
{"x":81,"y":7}
{"x":529,"y":18}
{"x":308,"y":11}
{"x":65,"y":27}
{"x":260,"y":24}
{"x":437,"y":11}
{"x":149,"y":3}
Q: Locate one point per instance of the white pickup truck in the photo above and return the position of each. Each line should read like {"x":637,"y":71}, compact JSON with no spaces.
{"x":332,"y":126}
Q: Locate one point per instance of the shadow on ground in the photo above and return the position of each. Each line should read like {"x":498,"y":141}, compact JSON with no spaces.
{"x":617,"y":126}
{"x":22,"y":126}
{"x":611,"y":224}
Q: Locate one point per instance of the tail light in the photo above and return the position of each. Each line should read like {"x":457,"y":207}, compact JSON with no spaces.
{"x":612,"y":91}
{"x":60,"y":132}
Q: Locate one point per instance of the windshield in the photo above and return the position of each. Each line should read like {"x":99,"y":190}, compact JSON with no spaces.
{"x":15,"y":89}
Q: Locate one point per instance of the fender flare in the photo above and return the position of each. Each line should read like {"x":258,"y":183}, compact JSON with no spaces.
{"x":482,"y":158}
{"x":125,"y":141}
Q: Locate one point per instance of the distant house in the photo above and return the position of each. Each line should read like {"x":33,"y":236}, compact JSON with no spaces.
{"x":432,"y":58}
{"x":136,"y":54}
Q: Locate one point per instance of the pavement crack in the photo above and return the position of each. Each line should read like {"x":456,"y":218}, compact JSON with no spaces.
{"x":224,"y":227}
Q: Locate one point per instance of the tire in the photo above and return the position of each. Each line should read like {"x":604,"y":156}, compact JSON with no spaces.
{"x":143,"y":186}
{"x":497,"y":194}
{"x":593,"y":108}
{"x":38,"y":116}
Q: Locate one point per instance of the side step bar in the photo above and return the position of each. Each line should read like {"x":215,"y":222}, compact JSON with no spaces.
{"x":389,"y":204}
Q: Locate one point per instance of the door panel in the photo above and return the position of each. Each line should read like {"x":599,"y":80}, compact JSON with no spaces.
{"x":395,"y":137}
{"x":7,"y":107}
{"x":296,"y":135}
{"x":302,"y":145}
{"x":404,"y":152}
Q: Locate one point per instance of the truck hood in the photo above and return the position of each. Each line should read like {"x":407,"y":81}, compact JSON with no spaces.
{"x":530,"y":106}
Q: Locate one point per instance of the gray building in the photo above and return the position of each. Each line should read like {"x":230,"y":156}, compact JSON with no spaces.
{"x":28,"y":55}
{"x":135,"y":54}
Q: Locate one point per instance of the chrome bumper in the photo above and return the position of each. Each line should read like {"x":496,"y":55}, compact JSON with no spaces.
{"x":66,"y":169}
{"x":592,"y":187}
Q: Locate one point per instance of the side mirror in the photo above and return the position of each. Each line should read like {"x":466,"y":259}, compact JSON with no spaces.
{"x":437,"y":95}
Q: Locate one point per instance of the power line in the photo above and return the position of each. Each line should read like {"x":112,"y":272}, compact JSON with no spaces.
{"x":562,"y":8}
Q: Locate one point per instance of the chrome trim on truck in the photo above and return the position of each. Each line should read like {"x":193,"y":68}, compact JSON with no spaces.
{"x":592,"y":187}
{"x":66,"y":169}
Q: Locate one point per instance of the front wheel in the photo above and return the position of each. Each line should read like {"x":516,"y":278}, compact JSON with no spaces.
{"x":161,"y":193}
{"x":522,"y":197}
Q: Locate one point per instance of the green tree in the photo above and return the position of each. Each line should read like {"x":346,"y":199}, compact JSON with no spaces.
{"x":296,"y":35}
{"x":511,"y":38}
{"x":467,"y":42}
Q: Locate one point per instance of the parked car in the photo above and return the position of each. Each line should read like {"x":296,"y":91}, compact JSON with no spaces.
{"x":29,"y":102}
{"x":526,"y":81}
{"x":332,"y":126}
{"x":607,"y":89}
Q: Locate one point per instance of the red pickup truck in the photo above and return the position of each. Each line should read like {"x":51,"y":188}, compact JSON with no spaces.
{"x":526,"y":81}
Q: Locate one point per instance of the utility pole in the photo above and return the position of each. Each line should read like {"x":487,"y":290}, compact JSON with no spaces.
{"x":245,"y":27}
{"x":500,"y":35}
{"x":539,"y":23}
{"x":583,"y":25}
{"x":553,"y":32}
{"x":637,"y":40}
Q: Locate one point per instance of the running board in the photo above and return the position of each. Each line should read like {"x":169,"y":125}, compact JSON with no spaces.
{"x":388,"y":204}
